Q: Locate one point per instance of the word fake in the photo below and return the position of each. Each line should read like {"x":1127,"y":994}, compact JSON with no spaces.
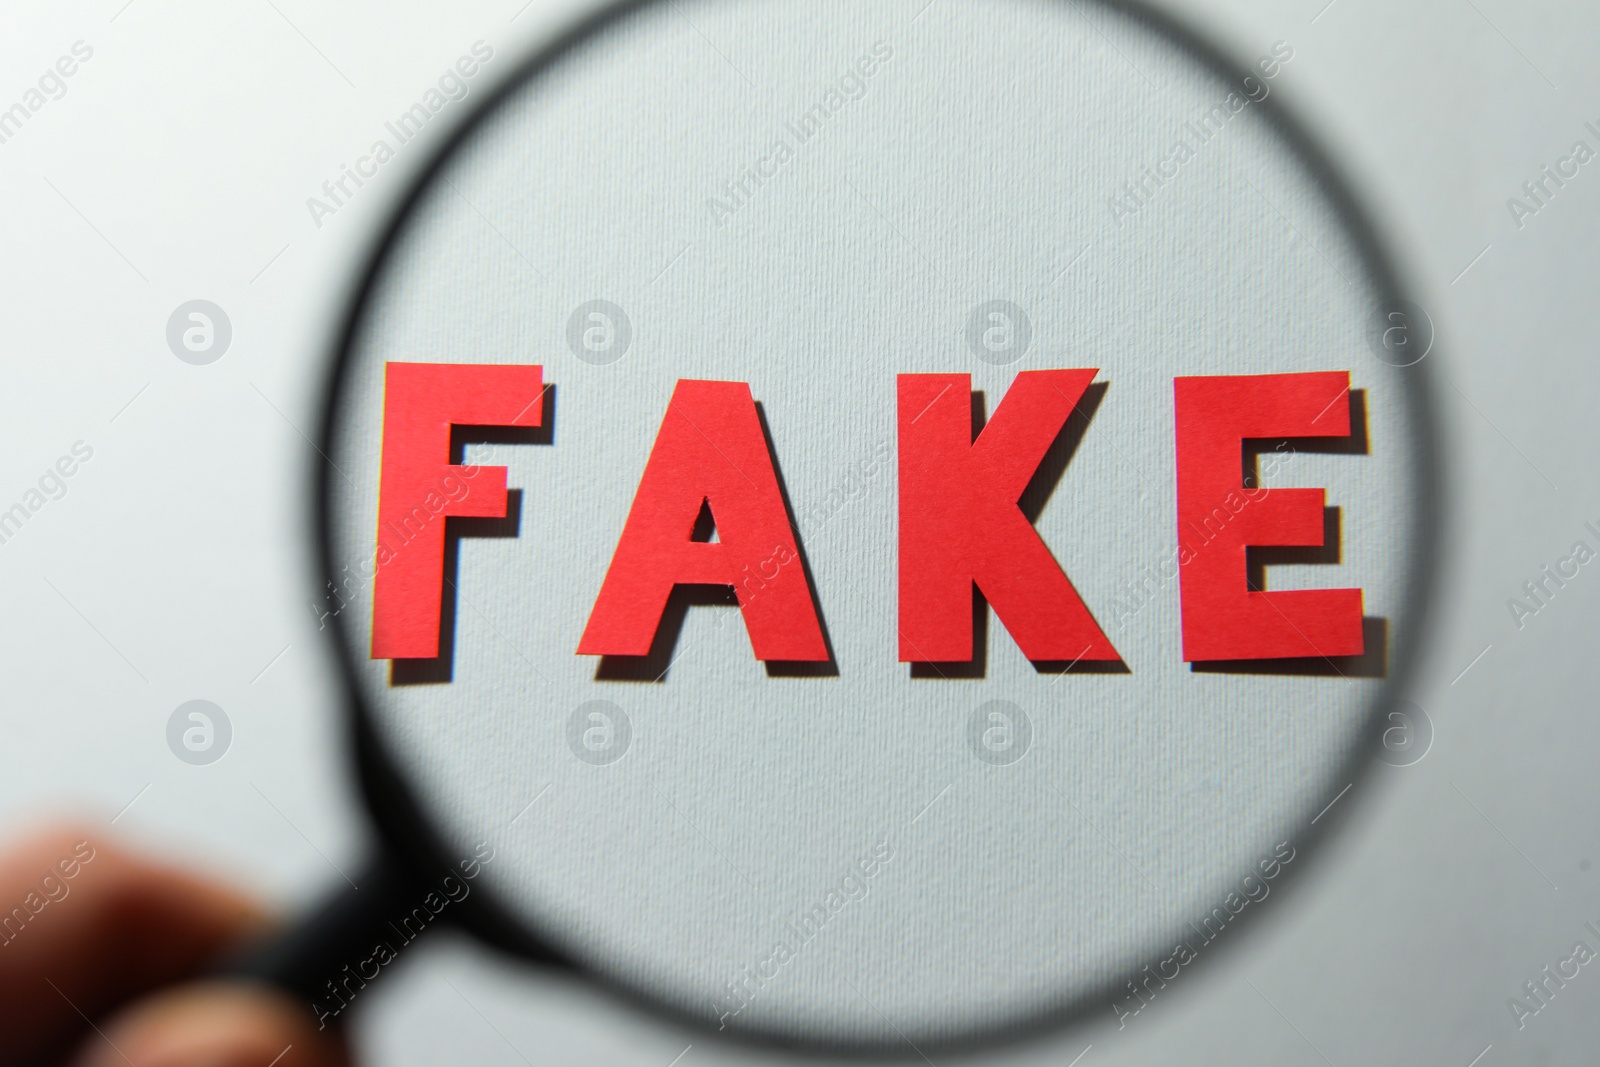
{"x":960,"y":526}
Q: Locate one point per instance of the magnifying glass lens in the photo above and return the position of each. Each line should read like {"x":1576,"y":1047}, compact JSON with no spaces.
{"x":888,"y":519}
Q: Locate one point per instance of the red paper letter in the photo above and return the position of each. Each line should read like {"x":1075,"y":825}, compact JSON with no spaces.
{"x":710,"y":450}
{"x":960,"y":523}
{"x":1218,"y":519}
{"x":419,"y":486}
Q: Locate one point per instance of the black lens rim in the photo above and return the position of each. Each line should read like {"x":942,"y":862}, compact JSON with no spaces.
{"x":400,"y":821}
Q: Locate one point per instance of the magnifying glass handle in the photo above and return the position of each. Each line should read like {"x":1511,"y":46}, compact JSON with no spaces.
{"x":331,"y":953}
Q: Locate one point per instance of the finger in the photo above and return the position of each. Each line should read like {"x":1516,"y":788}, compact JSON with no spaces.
{"x":214,"y":1024}
{"x":84,"y":926}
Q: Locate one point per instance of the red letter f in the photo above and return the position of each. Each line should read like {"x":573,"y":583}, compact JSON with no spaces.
{"x":421,"y":402}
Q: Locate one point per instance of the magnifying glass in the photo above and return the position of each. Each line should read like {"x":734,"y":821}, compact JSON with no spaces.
{"x":866,"y":524}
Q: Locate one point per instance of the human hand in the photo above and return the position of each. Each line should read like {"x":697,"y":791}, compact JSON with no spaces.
{"x":101,"y":954}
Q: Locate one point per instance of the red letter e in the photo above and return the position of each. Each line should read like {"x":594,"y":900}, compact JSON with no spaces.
{"x":1219,"y":519}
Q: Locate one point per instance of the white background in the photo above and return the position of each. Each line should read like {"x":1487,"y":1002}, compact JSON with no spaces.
{"x":177,"y":166}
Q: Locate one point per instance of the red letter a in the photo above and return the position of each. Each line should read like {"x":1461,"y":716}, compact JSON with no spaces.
{"x":1219,"y":519}
{"x":418,"y":486}
{"x":710,"y":450}
{"x":960,"y":523}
